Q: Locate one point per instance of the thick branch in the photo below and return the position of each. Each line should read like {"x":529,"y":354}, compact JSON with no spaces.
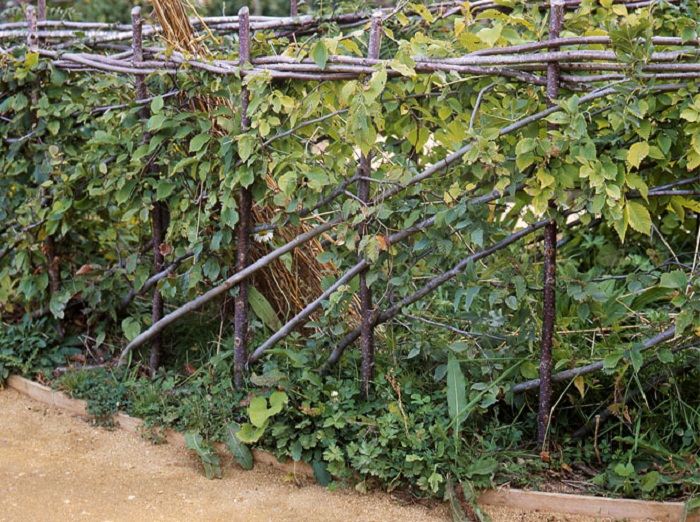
{"x":226,"y":285}
{"x":245,"y":206}
{"x":434,"y":283}
{"x":303,"y":238}
{"x":549,"y":311}
{"x":348,"y":276}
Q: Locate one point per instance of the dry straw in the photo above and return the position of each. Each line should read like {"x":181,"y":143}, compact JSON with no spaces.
{"x":288,"y":289}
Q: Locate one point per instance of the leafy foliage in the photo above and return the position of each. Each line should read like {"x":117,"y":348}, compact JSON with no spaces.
{"x":620,"y":171}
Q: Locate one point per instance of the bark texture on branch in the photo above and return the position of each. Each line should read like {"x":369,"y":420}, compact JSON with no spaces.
{"x":245,"y":208}
{"x":159,"y":212}
{"x":556,"y":14}
{"x":363,"y":186}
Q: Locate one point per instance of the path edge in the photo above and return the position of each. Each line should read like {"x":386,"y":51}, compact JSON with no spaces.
{"x":510,"y":498}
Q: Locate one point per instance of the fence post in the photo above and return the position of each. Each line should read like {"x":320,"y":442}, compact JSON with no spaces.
{"x":41,"y":10}
{"x":159,"y":213}
{"x":49,"y":246}
{"x":245,"y":206}
{"x":293,"y":8}
{"x":556,"y":15}
{"x":32,"y":36}
{"x":363,"y":189}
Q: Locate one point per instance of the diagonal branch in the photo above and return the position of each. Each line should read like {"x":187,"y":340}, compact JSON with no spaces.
{"x":432,"y":285}
{"x":664,"y":336}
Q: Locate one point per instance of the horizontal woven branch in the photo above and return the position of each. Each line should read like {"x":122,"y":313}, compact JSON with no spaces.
{"x":525,"y":62}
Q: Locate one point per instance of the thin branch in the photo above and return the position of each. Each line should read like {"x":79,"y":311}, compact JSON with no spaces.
{"x":153,"y":280}
{"x":664,"y":336}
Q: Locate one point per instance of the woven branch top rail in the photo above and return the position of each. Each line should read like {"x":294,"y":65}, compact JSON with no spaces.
{"x":583,"y":68}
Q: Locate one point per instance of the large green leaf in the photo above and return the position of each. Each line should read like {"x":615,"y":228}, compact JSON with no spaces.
{"x":206,"y":452}
{"x":321,"y":472}
{"x":638,"y":217}
{"x":637,"y":153}
{"x":258,"y":411}
{"x":456,"y":393}
{"x":241,"y":453}
{"x":319,"y":54}
{"x":263,"y":309}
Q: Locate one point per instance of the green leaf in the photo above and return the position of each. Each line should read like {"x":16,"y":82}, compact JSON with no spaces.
{"x":650,"y":481}
{"x":403,"y":64}
{"x":31,"y":59}
{"x":258,"y":411}
{"x":246,"y":146}
{"x":263,"y":309}
{"x":199,"y":141}
{"x":206,"y":452}
{"x":612,"y":360}
{"x":164,"y":188}
{"x":157,"y":104}
{"x":456,"y":393}
{"x":58,"y":303}
{"x":638,"y":217}
{"x":636,"y":358}
{"x":278,"y":400}
{"x":674,"y":279}
{"x":53,"y":126}
{"x":131,"y":328}
{"x":529,"y":370}
{"x":321,"y":473}
{"x":624,"y":470}
{"x":156,"y":122}
{"x":250,"y":435}
{"x":637,"y":153}
{"x":375,"y":85}
{"x":241,"y":453}
{"x":319,"y":54}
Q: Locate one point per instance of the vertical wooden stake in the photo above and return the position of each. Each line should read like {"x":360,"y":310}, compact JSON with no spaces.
{"x":32,"y":37}
{"x":159,"y":212}
{"x":363,"y":189}
{"x":245,"y":205}
{"x":293,"y":8}
{"x":550,"y":256}
{"x":49,"y":246}
{"x":41,"y":10}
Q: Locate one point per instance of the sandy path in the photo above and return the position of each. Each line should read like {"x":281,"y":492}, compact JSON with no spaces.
{"x":54,"y":466}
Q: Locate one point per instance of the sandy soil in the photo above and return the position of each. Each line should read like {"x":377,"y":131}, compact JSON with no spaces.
{"x":55,"y":466}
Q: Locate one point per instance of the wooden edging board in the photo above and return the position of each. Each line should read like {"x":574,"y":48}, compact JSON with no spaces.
{"x":511,"y":498}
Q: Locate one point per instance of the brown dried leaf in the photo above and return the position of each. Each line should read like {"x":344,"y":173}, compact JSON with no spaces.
{"x":85,"y":269}
{"x":383,"y":242}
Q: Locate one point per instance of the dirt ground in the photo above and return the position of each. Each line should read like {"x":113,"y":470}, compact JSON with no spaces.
{"x":55,"y":466}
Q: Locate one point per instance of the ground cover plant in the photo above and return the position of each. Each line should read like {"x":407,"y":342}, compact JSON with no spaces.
{"x":499,"y":202}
